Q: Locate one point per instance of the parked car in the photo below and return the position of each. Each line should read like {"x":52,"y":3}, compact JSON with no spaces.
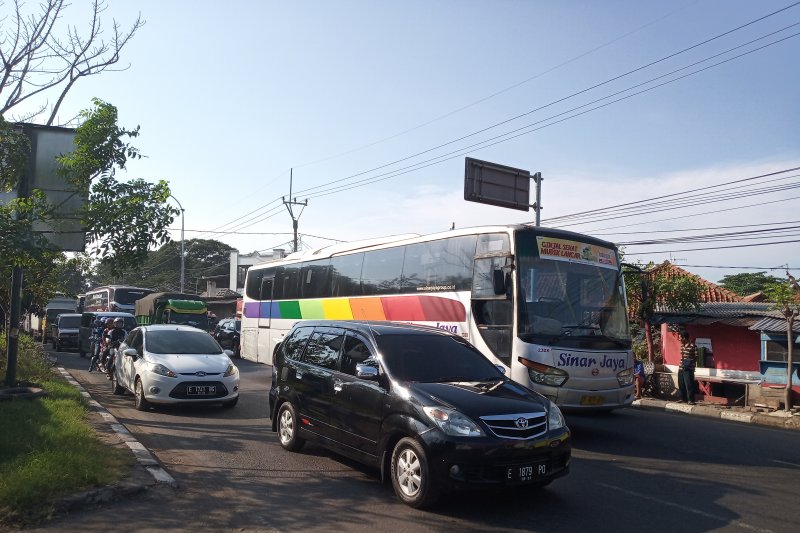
{"x":421,"y":404}
{"x":228,"y":332}
{"x":171,"y":364}
{"x":64,"y":332}
{"x":87,"y":325}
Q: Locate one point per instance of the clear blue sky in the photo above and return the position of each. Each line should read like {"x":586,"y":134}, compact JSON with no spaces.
{"x":231,"y":95}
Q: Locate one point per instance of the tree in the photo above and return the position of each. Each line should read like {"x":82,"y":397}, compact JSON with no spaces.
{"x":650,"y":289}
{"x":38,"y":60}
{"x":161,"y":270}
{"x":748,"y":283}
{"x":786,"y":296}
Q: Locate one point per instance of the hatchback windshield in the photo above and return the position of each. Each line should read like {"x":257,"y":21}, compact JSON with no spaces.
{"x":180,"y":342}
{"x":434,"y":358}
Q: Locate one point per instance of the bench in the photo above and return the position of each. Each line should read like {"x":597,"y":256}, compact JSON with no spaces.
{"x":704,"y":385}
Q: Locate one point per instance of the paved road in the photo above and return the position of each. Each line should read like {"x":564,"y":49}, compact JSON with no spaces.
{"x":633,"y":470}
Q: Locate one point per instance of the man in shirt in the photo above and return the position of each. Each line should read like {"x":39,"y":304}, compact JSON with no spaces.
{"x":686,"y":371}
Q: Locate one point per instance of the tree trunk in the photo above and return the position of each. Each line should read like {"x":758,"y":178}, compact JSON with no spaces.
{"x":648,"y":335}
{"x":790,"y":367}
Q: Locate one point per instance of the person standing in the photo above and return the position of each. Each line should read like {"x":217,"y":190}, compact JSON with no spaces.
{"x":686,"y":370}
{"x":638,"y":378}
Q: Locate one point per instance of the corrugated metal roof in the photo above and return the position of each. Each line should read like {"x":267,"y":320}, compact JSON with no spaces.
{"x":775,"y":324}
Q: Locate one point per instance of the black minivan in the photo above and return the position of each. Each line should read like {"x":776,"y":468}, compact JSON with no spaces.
{"x":419,"y":403}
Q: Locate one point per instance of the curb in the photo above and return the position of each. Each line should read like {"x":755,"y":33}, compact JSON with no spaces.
{"x":778,"y":419}
{"x":138,"y":481}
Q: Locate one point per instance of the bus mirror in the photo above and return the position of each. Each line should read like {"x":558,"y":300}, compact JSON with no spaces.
{"x":499,"y":281}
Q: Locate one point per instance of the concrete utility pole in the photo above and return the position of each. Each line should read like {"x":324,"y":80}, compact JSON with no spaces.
{"x":289,"y":205}
{"x":183,"y":254}
{"x":537,"y":179}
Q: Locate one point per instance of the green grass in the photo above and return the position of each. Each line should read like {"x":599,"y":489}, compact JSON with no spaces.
{"x":48,"y":450}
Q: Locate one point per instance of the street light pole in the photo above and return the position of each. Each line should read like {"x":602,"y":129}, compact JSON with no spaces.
{"x":183,"y":257}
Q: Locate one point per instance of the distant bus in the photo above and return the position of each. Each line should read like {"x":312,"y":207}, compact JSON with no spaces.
{"x":548,"y":305}
{"x":119,"y":298}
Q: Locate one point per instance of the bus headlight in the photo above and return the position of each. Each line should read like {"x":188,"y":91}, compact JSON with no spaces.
{"x":543,"y":374}
{"x":625,"y":377}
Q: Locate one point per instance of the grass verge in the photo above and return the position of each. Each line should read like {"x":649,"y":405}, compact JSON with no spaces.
{"x":48,"y":449}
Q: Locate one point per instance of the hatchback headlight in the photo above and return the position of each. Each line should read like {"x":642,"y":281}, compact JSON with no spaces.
{"x":231,"y":370}
{"x":452,"y":422}
{"x":555,"y":420}
{"x":161,"y":370}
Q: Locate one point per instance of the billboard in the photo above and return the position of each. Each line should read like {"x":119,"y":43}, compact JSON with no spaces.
{"x":493,"y":184}
{"x":48,"y":142}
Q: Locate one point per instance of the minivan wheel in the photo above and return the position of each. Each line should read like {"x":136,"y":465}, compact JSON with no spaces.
{"x":287,"y":428}
{"x":411,"y":475}
{"x":140,"y":401}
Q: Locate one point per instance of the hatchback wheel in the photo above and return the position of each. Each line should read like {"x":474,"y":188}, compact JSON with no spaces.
{"x":115,"y":386}
{"x":411,"y":475}
{"x":287,"y":428}
{"x":140,"y":401}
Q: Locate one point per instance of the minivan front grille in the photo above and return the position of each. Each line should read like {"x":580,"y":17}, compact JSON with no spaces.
{"x":520,"y":426}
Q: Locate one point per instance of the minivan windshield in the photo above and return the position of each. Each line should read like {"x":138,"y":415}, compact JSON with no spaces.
{"x":434,"y":358}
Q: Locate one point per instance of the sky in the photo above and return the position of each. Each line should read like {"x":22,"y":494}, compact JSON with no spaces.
{"x":372,"y":107}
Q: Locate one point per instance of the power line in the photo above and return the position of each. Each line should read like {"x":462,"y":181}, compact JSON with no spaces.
{"x":331,"y":191}
{"x":713,"y":248}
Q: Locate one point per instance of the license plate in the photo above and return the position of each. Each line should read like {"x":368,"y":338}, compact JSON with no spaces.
{"x":525,"y":472}
{"x":201,"y":390}
{"x":592,"y":400}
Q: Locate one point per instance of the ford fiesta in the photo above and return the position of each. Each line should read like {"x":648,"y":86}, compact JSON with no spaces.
{"x":169,"y":364}
{"x":422,"y":405}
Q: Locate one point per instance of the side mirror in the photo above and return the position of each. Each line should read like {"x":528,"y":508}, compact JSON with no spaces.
{"x":366,"y":372}
{"x":229,"y":353}
{"x":501,"y":368}
{"x":130,"y":352}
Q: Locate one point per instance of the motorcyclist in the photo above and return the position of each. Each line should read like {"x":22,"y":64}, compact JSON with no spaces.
{"x":114,"y":338}
{"x":97,"y":335}
{"x":104,"y":345}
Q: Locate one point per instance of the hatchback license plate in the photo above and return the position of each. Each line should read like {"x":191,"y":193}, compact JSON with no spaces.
{"x":201,"y":390}
{"x":525,"y":473}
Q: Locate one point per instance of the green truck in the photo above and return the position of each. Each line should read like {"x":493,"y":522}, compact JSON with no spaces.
{"x":172,"y":308}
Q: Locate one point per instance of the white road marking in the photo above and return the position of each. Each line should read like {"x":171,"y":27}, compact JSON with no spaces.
{"x":698,"y":512}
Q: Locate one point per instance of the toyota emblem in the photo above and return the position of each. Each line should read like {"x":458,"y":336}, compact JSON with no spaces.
{"x":200,"y":374}
{"x":521,"y":422}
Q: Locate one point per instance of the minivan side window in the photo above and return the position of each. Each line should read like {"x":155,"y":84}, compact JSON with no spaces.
{"x":294,"y":345}
{"x":324,"y":347}
{"x":355,"y":351}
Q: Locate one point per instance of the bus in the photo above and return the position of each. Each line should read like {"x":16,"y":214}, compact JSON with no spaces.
{"x":546,"y":304}
{"x":118,"y":298}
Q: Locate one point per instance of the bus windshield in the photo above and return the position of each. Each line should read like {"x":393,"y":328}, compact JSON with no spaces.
{"x":570,"y":298}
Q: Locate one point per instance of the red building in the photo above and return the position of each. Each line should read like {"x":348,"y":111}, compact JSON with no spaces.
{"x":735,"y":364}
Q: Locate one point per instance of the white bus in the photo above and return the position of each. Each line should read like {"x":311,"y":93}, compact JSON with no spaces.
{"x":118,"y":298}
{"x":549,"y":305}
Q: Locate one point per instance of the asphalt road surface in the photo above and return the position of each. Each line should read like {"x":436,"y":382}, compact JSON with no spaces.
{"x":632,"y":470}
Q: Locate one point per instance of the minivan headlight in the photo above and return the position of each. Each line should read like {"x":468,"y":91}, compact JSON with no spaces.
{"x":452,"y":422}
{"x":555,"y":420}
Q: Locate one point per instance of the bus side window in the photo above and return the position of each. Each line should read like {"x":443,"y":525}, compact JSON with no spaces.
{"x":493,"y":318}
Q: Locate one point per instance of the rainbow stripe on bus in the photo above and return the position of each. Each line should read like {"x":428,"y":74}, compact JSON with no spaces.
{"x":394,"y":308}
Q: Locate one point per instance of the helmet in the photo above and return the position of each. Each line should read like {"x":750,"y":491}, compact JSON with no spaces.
{"x":109,"y":322}
{"x":119,"y":321}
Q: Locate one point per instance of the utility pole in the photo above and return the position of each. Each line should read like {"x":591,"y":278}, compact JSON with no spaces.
{"x":289,"y":205}
{"x":537,"y":206}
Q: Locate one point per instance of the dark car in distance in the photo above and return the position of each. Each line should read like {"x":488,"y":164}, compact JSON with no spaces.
{"x":422,"y":405}
{"x":228,"y":332}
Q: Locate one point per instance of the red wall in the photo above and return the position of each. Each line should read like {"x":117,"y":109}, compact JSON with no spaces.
{"x":735,"y":348}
